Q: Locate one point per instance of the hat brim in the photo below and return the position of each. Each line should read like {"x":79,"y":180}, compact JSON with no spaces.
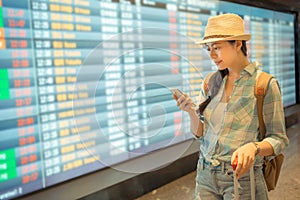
{"x":245,"y":37}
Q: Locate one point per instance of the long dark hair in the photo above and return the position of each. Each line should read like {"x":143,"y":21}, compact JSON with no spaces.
{"x":215,"y":82}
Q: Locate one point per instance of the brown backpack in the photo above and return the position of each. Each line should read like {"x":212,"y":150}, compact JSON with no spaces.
{"x":272,"y":167}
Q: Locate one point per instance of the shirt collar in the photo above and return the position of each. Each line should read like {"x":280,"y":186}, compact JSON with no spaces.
{"x":251,"y":68}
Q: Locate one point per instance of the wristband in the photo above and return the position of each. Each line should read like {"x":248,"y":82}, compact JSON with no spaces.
{"x":257,"y":148}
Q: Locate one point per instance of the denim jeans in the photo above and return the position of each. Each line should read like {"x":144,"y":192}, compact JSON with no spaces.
{"x":217,"y":182}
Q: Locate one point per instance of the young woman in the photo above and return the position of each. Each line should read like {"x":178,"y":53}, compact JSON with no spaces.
{"x":229,"y":130}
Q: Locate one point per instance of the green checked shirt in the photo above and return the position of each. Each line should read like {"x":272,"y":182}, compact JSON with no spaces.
{"x":239,"y":124}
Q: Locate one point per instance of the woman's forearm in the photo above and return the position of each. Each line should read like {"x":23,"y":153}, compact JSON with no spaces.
{"x":265,"y":148}
{"x":196,"y":124}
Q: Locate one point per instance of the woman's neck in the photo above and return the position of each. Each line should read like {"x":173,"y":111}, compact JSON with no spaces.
{"x":235,"y":70}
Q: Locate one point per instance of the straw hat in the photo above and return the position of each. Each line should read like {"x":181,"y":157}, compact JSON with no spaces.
{"x":223,"y":28}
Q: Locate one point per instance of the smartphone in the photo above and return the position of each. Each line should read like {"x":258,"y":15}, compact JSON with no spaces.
{"x":176,"y":93}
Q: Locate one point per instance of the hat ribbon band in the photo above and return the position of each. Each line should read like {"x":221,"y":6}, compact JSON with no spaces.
{"x":216,"y":36}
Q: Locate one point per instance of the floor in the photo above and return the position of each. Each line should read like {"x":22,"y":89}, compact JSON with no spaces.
{"x":288,"y":187}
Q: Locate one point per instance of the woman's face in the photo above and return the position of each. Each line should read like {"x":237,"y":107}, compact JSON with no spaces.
{"x":222,"y":53}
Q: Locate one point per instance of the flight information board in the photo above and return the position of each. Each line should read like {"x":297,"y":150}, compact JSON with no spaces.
{"x":85,"y":83}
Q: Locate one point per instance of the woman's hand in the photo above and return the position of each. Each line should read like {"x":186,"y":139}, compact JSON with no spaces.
{"x":243,"y":158}
{"x":185,"y":103}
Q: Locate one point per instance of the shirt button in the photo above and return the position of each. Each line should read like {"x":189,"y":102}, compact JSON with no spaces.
{"x":215,"y":163}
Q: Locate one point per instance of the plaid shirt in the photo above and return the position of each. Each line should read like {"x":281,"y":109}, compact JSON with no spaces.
{"x":240,"y":122}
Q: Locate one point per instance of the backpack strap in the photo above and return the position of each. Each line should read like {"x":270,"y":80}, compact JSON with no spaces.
{"x":261,"y":87}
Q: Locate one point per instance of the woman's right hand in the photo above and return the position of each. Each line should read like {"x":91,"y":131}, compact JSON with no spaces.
{"x":185,"y":103}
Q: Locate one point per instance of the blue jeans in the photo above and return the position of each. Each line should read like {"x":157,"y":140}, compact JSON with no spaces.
{"x":217,"y":182}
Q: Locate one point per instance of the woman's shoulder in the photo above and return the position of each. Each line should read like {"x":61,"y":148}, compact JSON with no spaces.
{"x":208,"y":76}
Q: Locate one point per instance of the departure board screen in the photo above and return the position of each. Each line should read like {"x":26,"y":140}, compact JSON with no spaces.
{"x":85,"y":84}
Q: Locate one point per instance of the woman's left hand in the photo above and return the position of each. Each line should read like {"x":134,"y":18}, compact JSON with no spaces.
{"x":243,"y":158}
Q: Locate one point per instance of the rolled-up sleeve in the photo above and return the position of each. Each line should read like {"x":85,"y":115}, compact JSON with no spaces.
{"x":274,"y":119}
